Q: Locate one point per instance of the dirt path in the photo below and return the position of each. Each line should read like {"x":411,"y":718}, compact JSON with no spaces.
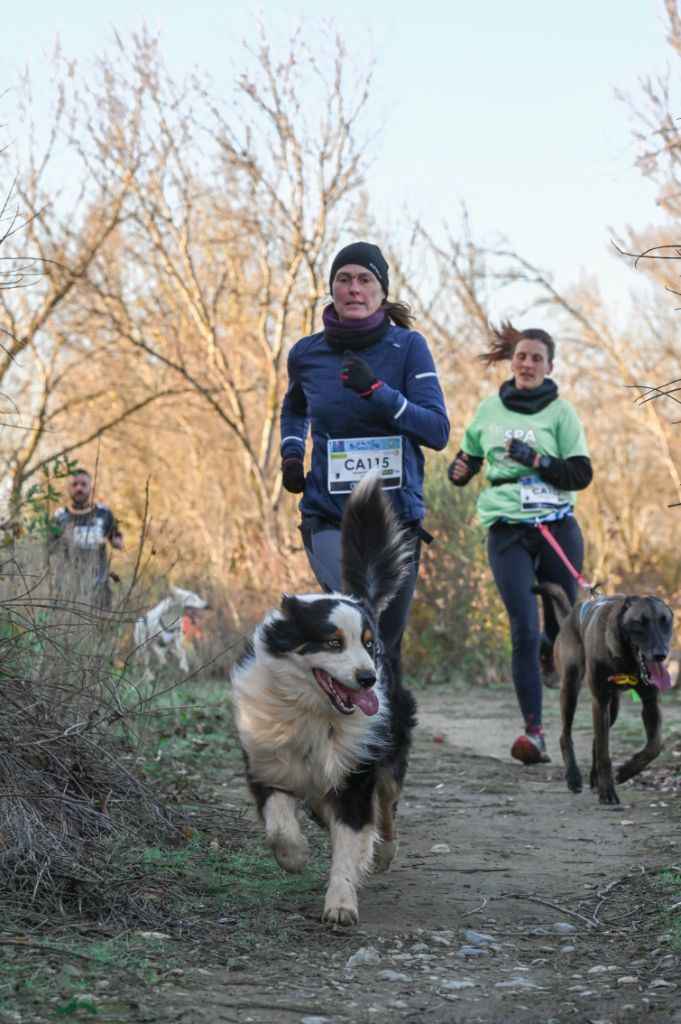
{"x":511,"y":900}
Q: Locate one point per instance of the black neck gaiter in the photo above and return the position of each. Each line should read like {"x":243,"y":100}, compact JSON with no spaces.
{"x":528,"y":400}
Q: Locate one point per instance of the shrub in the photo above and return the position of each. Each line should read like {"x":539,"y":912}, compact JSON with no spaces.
{"x":73,"y":721}
{"x":458,"y":630}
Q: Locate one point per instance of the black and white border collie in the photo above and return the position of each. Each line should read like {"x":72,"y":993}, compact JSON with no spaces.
{"x":322,"y":718}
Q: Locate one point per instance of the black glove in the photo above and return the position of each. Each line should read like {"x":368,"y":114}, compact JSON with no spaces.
{"x":452,"y":467}
{"x":293,"y":474}
{"x":523,"y":453}
{"x":358,"y":375}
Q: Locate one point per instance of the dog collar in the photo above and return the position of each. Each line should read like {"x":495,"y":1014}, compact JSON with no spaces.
{"x":624,"y":680}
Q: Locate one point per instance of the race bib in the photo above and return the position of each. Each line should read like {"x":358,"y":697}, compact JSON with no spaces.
{"x":91,"y":536}
{"x":350,"y":458}
{"x":538,"y":496}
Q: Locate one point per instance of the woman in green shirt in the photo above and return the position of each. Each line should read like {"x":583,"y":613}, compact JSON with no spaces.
{"x":537,"y":457}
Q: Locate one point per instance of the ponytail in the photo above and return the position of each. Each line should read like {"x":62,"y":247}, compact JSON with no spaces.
{"x":399,"y":312}
{"x":506,"y":337}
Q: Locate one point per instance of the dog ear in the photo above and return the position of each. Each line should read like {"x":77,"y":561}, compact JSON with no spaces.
{"x":282,"y":635}
{"x":629,"y":602}
{"x":614,"y":635}
{"x":290,"y":605}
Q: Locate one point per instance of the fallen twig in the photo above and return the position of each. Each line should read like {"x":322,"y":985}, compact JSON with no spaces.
{"x":547,"y":903}
{"x":476,"y":909}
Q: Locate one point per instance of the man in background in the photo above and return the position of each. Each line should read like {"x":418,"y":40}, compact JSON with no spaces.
{"x":82,"y":530}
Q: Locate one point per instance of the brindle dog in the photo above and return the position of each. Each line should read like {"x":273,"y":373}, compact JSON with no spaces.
{"x":615,"y":643}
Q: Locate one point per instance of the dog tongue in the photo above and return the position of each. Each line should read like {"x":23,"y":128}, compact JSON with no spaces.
{"x":365,"y":700}
{"x":659,"y":676}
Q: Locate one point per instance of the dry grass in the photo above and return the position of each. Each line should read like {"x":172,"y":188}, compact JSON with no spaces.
{"x":74,"y":799}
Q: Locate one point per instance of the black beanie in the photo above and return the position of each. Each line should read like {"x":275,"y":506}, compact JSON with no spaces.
{"x":363,"y":254}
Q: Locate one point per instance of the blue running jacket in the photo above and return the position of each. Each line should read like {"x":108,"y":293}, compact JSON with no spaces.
{"x":409,"y":403}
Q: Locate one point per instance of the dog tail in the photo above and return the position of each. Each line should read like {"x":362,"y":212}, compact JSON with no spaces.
{"x":375,"y":550}
{"x":561,"y":602}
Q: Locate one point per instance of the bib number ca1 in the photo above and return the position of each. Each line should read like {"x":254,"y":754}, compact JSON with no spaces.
{"x":538,"y":496}
{"x":349,"y":458}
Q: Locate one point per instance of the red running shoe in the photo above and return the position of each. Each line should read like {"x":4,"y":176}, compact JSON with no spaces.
{"x":530,"y":748}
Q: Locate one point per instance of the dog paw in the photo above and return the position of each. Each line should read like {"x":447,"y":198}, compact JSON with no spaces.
{"x":574,"y":782}
{"x":384,"y":855}
{"x":290,"y":856}
{"x":345,"y":915}
{"x":626,"y":771}
{"x":608,"y":796}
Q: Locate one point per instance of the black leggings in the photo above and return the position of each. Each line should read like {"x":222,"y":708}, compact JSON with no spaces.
{"x":323,"y":549}
{"x":519,"y":556}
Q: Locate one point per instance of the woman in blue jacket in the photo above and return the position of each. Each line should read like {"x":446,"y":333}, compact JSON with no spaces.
{"x":367,"y":388}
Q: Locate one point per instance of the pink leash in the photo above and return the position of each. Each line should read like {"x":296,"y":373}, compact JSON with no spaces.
{"x":548,"y":536}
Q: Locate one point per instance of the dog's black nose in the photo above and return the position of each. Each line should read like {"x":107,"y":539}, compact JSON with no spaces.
{"x":366,"y":678}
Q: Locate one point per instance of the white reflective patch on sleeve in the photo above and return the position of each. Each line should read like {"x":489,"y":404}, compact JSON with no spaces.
{"x":431,"y":373}
{"x":400,"y":410}
{"x":292,"y":437}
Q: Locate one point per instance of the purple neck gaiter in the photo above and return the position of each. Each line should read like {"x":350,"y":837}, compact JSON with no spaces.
{"x":334,"y":322}
{"x":353,"y":334}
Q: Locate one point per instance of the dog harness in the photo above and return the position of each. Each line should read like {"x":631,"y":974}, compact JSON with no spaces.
{"x":589,"y":606}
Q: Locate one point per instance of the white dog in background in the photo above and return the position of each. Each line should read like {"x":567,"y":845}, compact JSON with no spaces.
{"x":159,"y":631}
